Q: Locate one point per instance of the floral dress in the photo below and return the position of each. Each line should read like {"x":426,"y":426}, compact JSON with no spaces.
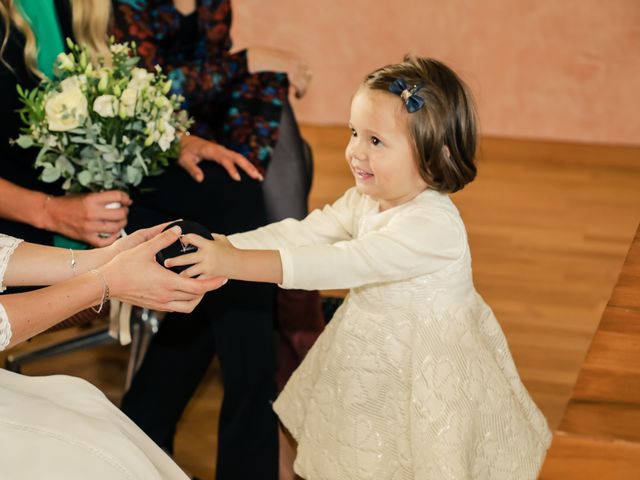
{"x":230,"y":105}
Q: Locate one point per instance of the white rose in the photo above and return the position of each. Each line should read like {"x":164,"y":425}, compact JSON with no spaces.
{"x":128,"y":102}
{"x":106,"y":106}
{"x":66,"y":110}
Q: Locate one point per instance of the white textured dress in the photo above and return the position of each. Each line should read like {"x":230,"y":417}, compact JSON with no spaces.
{"x":63,"y":428}
{"x":413,"y":378}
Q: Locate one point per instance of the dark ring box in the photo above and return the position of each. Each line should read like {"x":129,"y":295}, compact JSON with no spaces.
{"x":177,"y":248}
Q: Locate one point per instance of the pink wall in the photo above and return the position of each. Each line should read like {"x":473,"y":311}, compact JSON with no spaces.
{"x":550,"y":69}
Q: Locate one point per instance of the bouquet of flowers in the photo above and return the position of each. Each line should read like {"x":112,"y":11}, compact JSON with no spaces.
{"x":104,"y":127}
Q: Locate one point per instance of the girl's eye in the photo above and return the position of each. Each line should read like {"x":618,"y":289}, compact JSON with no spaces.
{"x":376,"y":141}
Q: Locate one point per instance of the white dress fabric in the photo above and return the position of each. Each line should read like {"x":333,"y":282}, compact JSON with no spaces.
{"x":412,"y":378}
{"x":63,"y":428}
{"x":7,"y":247}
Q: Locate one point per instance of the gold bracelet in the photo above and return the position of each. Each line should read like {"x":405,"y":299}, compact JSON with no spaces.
{"x":105,"y":291}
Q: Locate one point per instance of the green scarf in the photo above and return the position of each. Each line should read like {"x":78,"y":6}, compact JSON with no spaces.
{"x":43,"y":19}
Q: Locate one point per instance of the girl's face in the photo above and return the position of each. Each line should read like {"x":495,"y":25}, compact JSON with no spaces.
{"x":380,"y":152}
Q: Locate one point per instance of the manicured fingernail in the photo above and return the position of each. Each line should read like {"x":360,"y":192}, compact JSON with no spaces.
{"x":167,"y":263}
{"x":224,"y":282}
{"x":176,"y":229}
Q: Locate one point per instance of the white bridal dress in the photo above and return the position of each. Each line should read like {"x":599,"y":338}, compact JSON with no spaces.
{"x":63,"y":428}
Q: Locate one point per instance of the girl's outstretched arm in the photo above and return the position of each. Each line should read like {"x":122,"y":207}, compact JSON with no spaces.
{"x":219,"y":258}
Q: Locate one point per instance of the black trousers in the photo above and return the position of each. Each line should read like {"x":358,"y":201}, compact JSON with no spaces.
{"x":235,"y":323}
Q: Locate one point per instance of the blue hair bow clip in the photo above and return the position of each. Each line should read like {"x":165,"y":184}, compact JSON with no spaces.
{"x":412,"y":100}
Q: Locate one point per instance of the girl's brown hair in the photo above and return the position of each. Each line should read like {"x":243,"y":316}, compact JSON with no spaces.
{"x":444,"y":130}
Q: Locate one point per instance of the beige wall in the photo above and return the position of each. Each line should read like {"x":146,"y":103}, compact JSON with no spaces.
{"x":551,"y":69}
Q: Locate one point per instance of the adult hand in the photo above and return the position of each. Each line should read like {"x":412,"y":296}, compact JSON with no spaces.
{"x":261,"y":59}
{"x":135,"y":277}
{"x":85,"y":217}
{"x":194,"y":149}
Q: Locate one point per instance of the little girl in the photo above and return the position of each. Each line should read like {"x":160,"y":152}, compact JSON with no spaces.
{"x":412,"y":379}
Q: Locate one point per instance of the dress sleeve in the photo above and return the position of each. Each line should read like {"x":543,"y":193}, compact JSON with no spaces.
{"x":7,"y":247}
{"x":417,"y":243}
{"x":321,"y":252}
{"x":332,"y":224}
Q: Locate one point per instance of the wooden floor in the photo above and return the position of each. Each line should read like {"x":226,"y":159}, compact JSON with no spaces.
{"x":599,"y":436}
{"x":549,"y":226}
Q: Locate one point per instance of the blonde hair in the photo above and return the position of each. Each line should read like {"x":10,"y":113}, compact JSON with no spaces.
{"x":90,"y":22}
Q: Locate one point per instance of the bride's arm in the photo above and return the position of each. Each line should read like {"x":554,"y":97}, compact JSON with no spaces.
{"x":133,"y":276}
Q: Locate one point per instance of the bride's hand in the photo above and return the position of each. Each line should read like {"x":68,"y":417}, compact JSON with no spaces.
{"x":135,"y":276}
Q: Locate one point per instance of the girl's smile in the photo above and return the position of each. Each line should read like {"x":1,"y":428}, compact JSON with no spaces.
{"x":380,"y":153}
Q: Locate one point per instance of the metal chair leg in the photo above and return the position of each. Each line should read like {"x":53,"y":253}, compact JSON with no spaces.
{"x":144,"y":325}
{"x":94,"y":338}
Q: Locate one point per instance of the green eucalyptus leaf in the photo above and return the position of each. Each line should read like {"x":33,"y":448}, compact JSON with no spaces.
{"x":25,"y":141}
{"x":85,"y":177}
{"x":50,"y":174}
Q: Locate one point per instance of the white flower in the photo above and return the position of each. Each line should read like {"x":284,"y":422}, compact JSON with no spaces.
{"x":74,"y":82}
{"x":106,"y":106}
{"x":119,"y":48}
{"x":128,"y":102}
{"x":163,"y":103}
{"x":66,"y":110}
{"x":140,"y":79}
{"x":167,"y":137}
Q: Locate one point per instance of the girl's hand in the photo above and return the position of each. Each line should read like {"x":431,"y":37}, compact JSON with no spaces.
{"x":85,"y":217}
{"x":207,"y":261}
{"x":135,"y":276}
{"x":194,"y":149}
{"x":262,"y":59}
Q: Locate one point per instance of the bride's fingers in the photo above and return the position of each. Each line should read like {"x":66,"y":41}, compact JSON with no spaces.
{"x":192,"y":271}
{"x":180,"y":306}
{"x":188,"y":285}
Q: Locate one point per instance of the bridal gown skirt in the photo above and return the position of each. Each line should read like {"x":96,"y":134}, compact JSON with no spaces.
{"x":61,"y":427}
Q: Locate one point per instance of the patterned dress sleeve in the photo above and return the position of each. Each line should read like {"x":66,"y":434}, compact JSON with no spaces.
{"x":7,"y":247}
{"x":231,"y":106}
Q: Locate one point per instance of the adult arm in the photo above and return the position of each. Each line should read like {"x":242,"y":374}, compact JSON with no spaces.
{"x":133,"y":275}
{"x":80,"y":217}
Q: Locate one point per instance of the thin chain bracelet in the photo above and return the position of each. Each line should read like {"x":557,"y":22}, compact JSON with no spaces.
{"x":73,"y":262}
{"x":105,"y":291}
